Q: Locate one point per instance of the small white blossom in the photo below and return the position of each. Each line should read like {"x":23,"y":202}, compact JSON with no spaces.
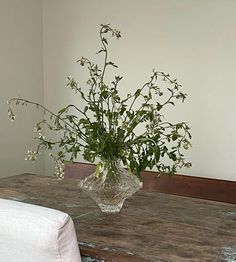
{"x":13,"y":118}
{"x":71,"y":82}
{"x":37,"y":128}
{"x":11,"y":115}
{"x":59,"y":169}
{"x":186,"y":146}
{"x":82,"y":61}
{"x":188,"y":165}
{"x":116,"y":33}
{"x":31,"y":155}
{"x":41,"y":136}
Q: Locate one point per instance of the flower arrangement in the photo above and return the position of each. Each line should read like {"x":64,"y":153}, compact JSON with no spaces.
{"x":107,"y":127}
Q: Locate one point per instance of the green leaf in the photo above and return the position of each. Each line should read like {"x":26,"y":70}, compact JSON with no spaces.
{"x":174,"y":136}
{"x":104,"y":94}
{"x":137,"y":93}
{"x":158,"y":106}
{"x":62,"y":111}
{"x":84,"y":121}
{"x":86,"y":109}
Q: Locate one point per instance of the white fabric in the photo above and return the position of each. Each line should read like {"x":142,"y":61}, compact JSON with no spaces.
{"x":30,"y":233}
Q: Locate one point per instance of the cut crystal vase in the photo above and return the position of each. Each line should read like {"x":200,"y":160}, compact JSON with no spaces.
{"x":110,"y":185}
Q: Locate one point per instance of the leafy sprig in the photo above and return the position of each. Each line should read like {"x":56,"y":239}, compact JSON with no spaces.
{"x":107,"y":127}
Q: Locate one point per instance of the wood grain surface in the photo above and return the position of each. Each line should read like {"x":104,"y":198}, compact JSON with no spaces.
{"x":152,"y":227}
{"x":197,"y":187}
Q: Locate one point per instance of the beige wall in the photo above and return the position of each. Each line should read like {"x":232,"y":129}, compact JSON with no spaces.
{"x":21,"y":75}
{"x":193,"y":40}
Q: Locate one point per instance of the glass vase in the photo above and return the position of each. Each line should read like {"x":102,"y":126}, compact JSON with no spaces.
{"x":110,"y":185}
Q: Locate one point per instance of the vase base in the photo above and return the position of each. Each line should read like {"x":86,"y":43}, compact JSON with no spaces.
{"x":109,"y":208}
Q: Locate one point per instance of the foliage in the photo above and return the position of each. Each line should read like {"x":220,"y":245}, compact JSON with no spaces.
{"x":107,"y":127}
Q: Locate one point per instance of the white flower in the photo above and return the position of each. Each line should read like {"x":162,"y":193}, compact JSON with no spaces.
{"x":11,"y":115}
{"x":116,"y":33}
{"x":31,"y":155}
{"x":37,"y":128}
{"x":41,"y":136}
{"x":59,"y":169}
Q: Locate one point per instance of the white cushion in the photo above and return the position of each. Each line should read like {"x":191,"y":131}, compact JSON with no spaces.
{"x":30,"y":233}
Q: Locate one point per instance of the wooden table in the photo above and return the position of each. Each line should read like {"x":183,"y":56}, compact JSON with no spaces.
{"x":152,"y":227}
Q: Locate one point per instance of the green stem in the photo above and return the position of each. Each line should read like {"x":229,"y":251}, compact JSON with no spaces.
{"x":46,"y":110}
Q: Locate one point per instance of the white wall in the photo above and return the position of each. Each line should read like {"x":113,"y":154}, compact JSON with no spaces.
{"x":192,"y":40}
{"x":21,"y":75}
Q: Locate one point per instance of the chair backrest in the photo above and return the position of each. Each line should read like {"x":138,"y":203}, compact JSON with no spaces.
{"x":31,"y":233}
